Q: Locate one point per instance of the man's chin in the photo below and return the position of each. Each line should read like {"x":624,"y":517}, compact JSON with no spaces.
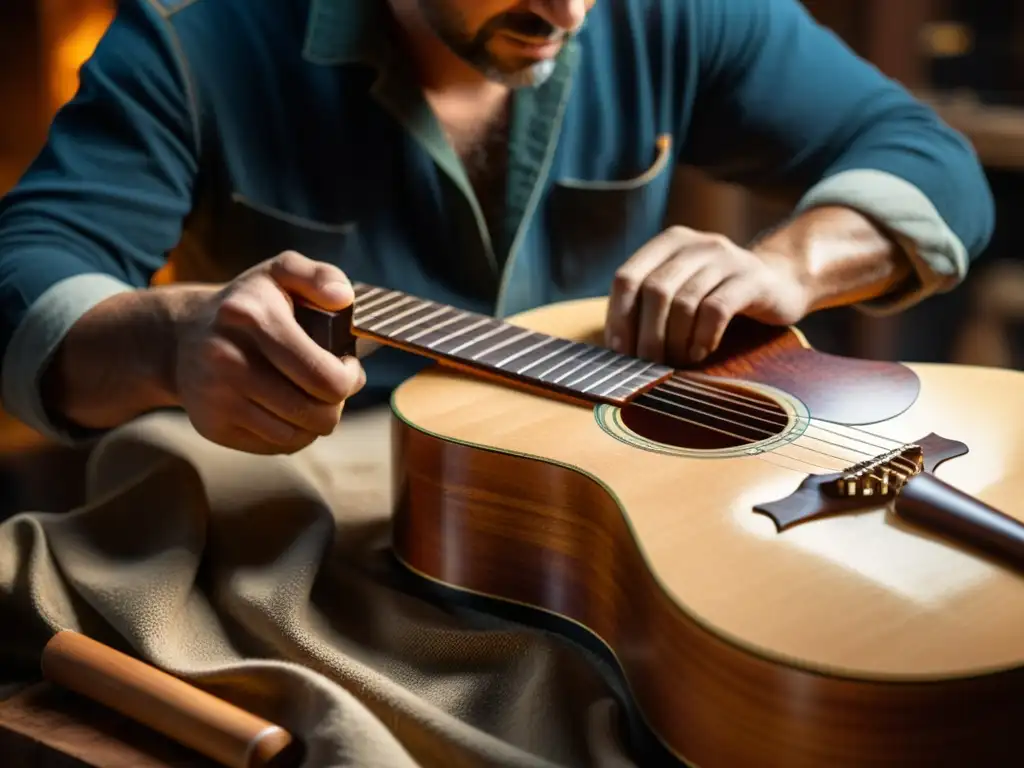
{"x":534,"y":74}
{"x":519,"y":71}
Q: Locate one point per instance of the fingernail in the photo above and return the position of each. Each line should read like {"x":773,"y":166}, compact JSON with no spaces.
{"x":360,"y":382}
{"x":338,"y":291}
{"x":698,"y":353}
{"x":616,"y":343}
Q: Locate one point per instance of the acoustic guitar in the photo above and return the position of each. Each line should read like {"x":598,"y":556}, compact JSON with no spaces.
{"x":791,"y":558}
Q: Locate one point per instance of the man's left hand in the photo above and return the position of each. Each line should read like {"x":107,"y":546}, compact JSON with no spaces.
{"x":673,"y":300}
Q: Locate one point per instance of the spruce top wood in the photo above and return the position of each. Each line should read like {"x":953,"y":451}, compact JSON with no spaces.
{"x":793,"y":559}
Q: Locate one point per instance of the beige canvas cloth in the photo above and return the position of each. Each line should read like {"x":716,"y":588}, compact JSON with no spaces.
{"x":267,"y":580}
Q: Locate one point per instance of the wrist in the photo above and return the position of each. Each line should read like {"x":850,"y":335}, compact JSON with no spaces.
{"x":176,"y":307}
{"x":835,"y":256}
{"x":119,"y":360}
{"x":798,"y":288}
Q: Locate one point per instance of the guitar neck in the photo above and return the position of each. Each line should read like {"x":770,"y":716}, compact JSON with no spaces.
{"x":483,"y":345}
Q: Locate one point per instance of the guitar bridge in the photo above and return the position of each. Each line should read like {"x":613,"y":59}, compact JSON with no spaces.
{"x":880,"y":477}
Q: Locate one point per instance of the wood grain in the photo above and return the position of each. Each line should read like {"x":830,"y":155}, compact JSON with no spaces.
{"x":46,"y":726}
{"x":851,"y":641}
{"x":194,"y":718}
{"x":843,"y":390}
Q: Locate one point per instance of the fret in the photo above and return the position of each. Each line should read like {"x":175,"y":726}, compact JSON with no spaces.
{"x":616,"y":370}
{"x":482,"y":356}
{"x":378,"y":327}
{"x":621,"y":383}
{"x":384,"y":311}
{"x":530,"y":360}
{"x":476,"y":340}
{"x":545,"y":341}
{"x":582,"y":364}
{"x":380,"y":304}
{"x":577,"y":383}
{"x":586,"y":370}
{"x":416,"y":337}
{"x":584,"y":350}
{"x":445,"y":339}
{"x":397,"y":332}
{"x":565,"y":347}
{"x":620,"y":391}
{"x":363,"y":292}
{"x":363,"y":296}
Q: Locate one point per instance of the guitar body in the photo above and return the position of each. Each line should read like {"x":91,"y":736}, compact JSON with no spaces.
{"x":847,"y":640}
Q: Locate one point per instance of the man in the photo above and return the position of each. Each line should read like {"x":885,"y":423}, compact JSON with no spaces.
{"x":493,"y":154}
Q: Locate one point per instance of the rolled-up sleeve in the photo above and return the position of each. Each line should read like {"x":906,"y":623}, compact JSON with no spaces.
{"x":103,"y":203}
{"x":938,"y":256}
{"x":784,"y":101}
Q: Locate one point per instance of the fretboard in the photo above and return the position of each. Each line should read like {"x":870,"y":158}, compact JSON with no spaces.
{"x":474,"y":340}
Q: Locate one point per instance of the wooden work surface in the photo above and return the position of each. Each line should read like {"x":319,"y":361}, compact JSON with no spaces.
{"x":47,"y":727}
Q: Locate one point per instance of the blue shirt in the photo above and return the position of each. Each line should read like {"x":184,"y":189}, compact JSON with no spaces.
{"x":217,"y":133}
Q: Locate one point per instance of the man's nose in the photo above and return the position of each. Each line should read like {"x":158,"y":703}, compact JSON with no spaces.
{"x":565,"y":14}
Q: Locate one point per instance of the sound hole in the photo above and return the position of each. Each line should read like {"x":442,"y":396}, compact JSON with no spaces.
{"x":704,"y":417}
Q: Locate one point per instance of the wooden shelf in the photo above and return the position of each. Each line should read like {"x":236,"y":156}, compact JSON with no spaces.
{"x":997,"y":132}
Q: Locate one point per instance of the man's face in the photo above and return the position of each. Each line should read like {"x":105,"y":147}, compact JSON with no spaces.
{"x":514,"y":42}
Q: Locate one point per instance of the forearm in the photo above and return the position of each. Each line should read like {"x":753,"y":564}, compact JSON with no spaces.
{"x":784,"y":103}
{"x":839,"y":256}
{"x":117,"y":361}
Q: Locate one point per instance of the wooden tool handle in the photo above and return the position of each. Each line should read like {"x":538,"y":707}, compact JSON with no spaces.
{"x":190,"y":716}
{"x":935,"y":505}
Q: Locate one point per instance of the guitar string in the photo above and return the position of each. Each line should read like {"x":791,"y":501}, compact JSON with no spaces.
{"x":773,"y":423}
{"x":719,"y":391}
{"x":761,"y":455}
{"x":744,"y":440}
{"x":676,"y":402}
{"x":758,"y":406}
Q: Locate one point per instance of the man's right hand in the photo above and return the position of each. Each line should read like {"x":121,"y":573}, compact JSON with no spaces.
{"x":232,"y":356}
{"x":246,"y":373}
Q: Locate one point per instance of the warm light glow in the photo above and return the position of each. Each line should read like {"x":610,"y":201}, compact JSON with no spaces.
{"x":947,"y":40}
{"x":72,"y":50}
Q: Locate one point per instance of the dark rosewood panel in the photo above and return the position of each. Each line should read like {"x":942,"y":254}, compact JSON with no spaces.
{"x":489,"y":523}
{"x":838,"y":389}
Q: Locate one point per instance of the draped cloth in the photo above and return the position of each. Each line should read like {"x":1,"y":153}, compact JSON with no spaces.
{"x":268,"y":581}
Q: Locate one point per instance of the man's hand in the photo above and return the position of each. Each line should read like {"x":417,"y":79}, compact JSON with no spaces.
{"x":247,"y":374}
{"x":673,"y":300}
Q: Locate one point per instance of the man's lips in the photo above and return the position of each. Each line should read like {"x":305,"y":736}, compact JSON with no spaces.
{"x":538,"y":48}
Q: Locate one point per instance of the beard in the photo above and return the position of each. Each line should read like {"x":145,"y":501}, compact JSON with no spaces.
{"x":449,"y":24}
